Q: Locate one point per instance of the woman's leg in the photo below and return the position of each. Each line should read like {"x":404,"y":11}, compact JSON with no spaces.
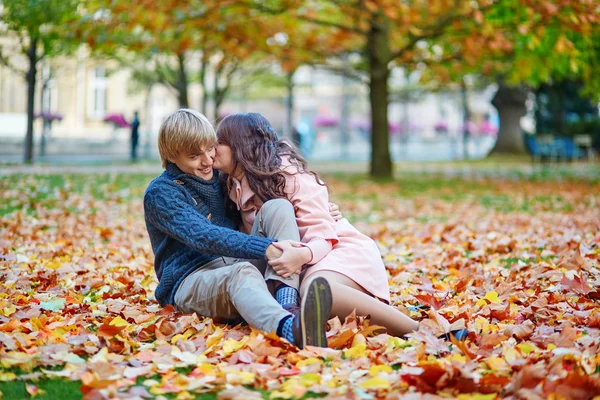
{"x":347,"y":296}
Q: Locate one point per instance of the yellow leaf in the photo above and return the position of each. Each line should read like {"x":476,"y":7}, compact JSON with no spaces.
{"x":54,"y":265}
{"x":119,"y":322}
{"x":375,"y":383}
{"x":308,"y":361}
{"x":497,"y":363}
{"x":458,"y":357}
{"x":492,"y":297}
{"x":247,"y":378}
{"x":215,"y":338}
{"x":510,"y":354}
{"x":526,"y":348}
{"x":232,"y":345}
{"x":376,"y":369}
{"x":310,"y":379}
{"x":276,"y":394}
{"x":477,"y":396}
{"x":207,"y":369}
{"x":8,"y":311}
{"x":7,"y":376}
{"x":360,"y":350}
{"x":551,"y":346}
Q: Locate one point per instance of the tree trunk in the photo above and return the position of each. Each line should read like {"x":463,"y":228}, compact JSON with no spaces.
{"x":378,"y":49}
{"x":182,"y":82}
{"x":510,"y":103}
{"x":289,"y":129}
{"x":31,"y":75}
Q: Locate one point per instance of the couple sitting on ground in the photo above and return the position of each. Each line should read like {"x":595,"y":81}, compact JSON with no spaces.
{"x":242,"y":230}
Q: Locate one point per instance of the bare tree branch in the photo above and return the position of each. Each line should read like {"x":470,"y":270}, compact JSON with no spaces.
{"x":7,"y":63}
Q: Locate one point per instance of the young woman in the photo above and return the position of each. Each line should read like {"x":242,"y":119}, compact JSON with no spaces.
{"x":260,"y":167}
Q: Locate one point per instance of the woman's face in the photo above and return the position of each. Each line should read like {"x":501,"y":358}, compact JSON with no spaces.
{"x":224,"y":159}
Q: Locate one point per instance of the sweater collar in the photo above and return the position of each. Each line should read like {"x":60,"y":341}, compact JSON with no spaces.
{"x":174,"y":172}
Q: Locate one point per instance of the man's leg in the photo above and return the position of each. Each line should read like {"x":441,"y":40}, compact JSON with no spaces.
{"x":228,"y":292}
{"x":276,"y":219}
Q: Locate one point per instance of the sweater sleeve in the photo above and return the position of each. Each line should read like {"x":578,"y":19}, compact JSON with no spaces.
{"x":311,"y":205}
{"x":167,"y":208}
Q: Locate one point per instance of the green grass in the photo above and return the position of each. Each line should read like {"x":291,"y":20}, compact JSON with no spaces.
{"x":54,"y":388}
{"x":49,"y":190}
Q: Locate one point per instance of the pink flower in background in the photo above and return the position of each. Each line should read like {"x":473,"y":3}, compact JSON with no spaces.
{"x":487,"y":128}
{"x":441,"y":126}
{"x":325,"y":121}
{"x":394,"y":127}
{"x":49,"y":116}
{"x":117,"y":119}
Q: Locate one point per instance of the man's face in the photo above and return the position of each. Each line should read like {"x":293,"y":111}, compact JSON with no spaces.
{"x":224,"y":159}
{"x":199,"y":164}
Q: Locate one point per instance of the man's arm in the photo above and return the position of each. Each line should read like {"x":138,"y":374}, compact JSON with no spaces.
{"x":167,"y":209}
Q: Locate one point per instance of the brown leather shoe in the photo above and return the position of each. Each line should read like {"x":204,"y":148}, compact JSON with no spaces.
{"x":310,"y":325}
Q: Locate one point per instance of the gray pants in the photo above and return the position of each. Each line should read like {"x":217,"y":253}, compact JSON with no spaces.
{"x":229,"y":289}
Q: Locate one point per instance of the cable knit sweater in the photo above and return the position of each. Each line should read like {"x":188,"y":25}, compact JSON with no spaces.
{"x":186,"y":222}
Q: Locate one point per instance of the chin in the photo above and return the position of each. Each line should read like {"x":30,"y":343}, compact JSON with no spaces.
{"x":206,"y":177}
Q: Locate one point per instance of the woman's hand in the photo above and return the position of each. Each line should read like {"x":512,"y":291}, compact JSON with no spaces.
{"x":294,"y":256}
{"x":335,"y":212}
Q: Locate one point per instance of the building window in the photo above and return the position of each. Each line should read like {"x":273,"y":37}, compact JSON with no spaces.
{"x":98,"y":101}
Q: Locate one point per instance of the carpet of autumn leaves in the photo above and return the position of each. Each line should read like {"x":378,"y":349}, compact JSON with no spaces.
{"x":515,"y":262}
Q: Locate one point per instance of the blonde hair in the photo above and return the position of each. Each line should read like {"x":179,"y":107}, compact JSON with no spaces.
{"x":184,"y":130}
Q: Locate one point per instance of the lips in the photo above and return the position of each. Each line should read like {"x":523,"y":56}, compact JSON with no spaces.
{"x":205,"y":170}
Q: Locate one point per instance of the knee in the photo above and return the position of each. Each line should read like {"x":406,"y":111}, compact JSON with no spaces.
{"x":277,"y":207}
{"x":245,"y":269}
{"x":242,"y":273}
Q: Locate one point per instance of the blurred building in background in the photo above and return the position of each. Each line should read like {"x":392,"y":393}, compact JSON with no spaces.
{"x":90,"y":103}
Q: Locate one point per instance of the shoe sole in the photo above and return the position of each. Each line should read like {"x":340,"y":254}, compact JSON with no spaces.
{"x":316,"y":306}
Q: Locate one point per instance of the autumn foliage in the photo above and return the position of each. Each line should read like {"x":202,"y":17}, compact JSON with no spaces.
{"x":514,"y":262}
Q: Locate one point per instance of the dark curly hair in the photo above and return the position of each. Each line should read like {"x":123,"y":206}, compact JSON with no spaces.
{"x":259,"y":151}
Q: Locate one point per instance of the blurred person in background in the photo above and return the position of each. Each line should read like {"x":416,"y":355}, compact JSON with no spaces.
{"x":135,"y":135}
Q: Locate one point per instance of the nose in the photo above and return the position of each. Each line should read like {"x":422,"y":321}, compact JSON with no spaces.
{"x":207,"y":159}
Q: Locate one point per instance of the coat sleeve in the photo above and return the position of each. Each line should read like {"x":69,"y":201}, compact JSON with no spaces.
{"x":311,"y":205}
{"x":167,"y":208}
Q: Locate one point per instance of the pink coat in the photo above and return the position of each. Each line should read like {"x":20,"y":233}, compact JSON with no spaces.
{"x":335,"y":246}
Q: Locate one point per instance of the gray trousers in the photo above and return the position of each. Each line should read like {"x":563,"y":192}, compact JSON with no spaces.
{"x":229,"y":289}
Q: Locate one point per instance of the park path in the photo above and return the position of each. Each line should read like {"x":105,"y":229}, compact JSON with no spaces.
{"x":465,"y":170}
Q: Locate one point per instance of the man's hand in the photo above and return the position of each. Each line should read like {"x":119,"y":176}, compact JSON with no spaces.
{"x":335,"y":212}
{"x":293,"y":258}
{"x":273,"y":252}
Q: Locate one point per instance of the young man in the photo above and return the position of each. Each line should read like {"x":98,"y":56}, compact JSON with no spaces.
{"x":201,"y":261}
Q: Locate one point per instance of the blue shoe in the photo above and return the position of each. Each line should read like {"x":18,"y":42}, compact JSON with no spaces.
{"x":417,"y":308}
{"x":459,"y":334}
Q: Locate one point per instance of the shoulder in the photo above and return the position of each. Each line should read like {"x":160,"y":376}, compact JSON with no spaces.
{"x":162,"y":185}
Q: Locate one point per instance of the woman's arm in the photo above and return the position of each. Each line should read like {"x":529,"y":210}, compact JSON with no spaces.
{"x":311,"y":205}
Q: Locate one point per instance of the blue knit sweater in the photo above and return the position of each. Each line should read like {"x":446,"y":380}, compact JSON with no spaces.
{"x":186,"y":222}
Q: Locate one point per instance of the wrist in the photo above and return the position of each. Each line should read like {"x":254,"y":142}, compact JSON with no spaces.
{"x":269,"y":251}
{"x":306,"y":255}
